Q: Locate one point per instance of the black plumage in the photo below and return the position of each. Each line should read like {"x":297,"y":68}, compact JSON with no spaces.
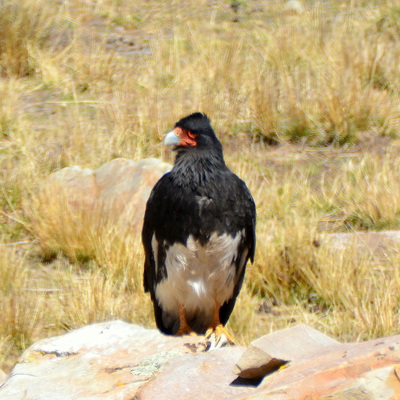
{"x":198,"y":234}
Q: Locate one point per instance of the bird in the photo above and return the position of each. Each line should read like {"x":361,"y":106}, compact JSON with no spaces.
{"x":198,"y":235}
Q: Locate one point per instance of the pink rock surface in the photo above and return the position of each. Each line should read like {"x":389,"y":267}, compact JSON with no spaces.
{"x":117,"y":191}
{"x":367,"y":370}
{"x":111,"y":360}
{"x":205,"y":376}
{"x":119,"y":361}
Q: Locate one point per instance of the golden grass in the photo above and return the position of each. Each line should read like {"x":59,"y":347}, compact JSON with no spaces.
{"x":90,"y":81}
{"x":25,"y":26}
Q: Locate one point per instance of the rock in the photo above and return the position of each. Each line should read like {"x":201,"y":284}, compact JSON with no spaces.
{"x":270,"y":352}
{"x":293,"y":343}
{"x":342,"y":371}
{"x":256,"y":363}
{"x":115,"y":193}
{"x":120,"y":361}
{"x":124,"y":187}
{"x":76,"y":183}
{"x":115,"y":360}
{"x":203,"y":376}
{"x":371,"y":242}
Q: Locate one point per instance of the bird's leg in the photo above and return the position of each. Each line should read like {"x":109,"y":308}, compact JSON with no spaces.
{"x":184,"y":328}
{"x":218,"y":329}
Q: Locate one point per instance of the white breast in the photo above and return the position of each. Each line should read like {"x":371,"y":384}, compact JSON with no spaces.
{"x":199,"y":276}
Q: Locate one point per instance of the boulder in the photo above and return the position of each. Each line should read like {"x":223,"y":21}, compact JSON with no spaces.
{"x":77,"y":185}
{"x":341,"y":371}
{"x":119,"y":361}
{"x":371,"y":242}
{"x":272,"y":351}
{"x":202,"y":376}
{"x":116,"y":192}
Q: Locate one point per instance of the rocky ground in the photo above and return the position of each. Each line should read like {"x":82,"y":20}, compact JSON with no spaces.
{"x":119,"y":361}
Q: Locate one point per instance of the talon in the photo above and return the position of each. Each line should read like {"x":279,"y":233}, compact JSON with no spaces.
{"x":220,"y":331}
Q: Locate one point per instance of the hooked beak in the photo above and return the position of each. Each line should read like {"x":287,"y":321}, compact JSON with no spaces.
{"x":171,"y":139}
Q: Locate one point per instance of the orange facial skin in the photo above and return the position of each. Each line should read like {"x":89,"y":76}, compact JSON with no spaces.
{"x":188,"y":139}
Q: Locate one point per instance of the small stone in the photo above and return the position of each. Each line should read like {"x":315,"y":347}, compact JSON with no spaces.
{"x":295,"y":343}
{"x":256,"y":363}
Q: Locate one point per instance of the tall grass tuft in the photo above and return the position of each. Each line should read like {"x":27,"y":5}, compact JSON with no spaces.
{"x":25,"y":27}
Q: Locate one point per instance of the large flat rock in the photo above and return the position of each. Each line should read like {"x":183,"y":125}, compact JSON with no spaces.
{"x":362,"y":371}
{"x":113,"y":360}
{"x":120,"y":361}
{"x":204,"y":376}
{"x":365,"y":242}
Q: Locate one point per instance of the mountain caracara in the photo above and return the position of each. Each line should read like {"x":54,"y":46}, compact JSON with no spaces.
{"x":198,"y":234}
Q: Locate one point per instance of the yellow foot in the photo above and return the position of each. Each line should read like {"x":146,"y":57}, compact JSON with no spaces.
{"x":220,"y":332}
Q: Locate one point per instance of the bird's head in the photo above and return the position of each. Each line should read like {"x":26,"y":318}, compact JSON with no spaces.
{"x":192,"y":132}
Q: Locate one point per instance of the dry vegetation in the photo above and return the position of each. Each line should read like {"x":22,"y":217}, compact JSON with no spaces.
{"x":307,"y":106}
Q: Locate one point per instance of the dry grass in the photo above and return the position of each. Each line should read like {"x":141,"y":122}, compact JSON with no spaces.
{"x":90,"y":81}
